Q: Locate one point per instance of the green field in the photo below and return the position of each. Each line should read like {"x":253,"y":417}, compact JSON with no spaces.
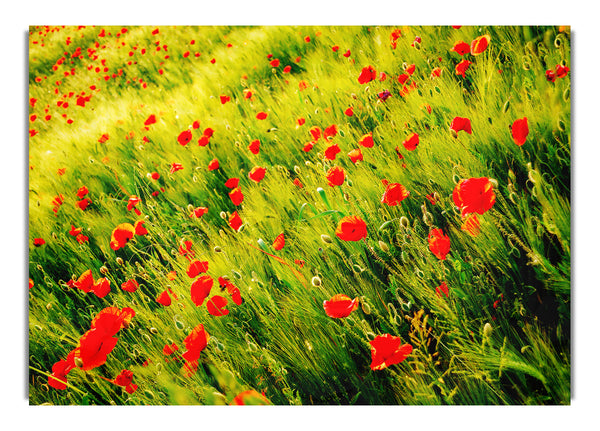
{"x":449,"y":231}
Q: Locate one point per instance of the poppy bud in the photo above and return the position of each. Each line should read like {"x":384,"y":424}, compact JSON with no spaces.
{"x":217,"y":249}
{"x":487,"y":330}
{"x":153,"y":330}
{"x":357,"y":268}
{"x":223,"y":215}
{"x":297,"y":169}
{"x":78,"y":362}
{"x":366,"y":308}
{"x":428,"y":218}
{"x":326,"y":239}
{"x":316,"y":281}
{"x":103,"y":270}
{"x":384,"y":247}
{"x":404,"y":222}
{"x":119,"y":261}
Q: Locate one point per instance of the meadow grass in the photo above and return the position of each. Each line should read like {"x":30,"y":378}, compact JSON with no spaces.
{"x":501,"y":336}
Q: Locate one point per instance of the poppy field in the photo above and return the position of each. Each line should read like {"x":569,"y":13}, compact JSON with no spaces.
{"x":348,"y":215}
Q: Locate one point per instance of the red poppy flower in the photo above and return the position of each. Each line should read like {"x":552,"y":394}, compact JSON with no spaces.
{"x":411,"y":142}
{"x":176,"y":167}
{"x":300,"y":121}
{"x":439,"y":243}
{"x":232,"y":183}
{"x":403,"y":78}
{"x":298,"y":183}
{"x":460,"y":123}
{"x":39,"y":242}
{"x":340,"y":306}
{"x":170,"y":349}
{"x":125,"y":379}
{"x":111,"y":320}
{"x":461,"y":48}
{"x":85,"y":282}
{"x":30,"y":283}
{"x":139,"y":227}
{"x":250,"y":398}
{"x":435,"y":72}
{"x":184,"y":137}
{"x":520,"y":130}
{"x":121,"y":235}
{"x":474,"y":195}
{"x":130,"y":285}
{"x":58,"y":378}
{"x":216,"y":306}
{"x":198,"y":212}
{"x":330,"y":132}
{"x":236,"y":196}
{"x":103,"y":138}
{"x":83,"y":203}
{"x":394,"y":194}
{"x":332,"y":151}
{"x":351,"y":228}
{"x":480,"y":44}
{"x":335,"y":176}
{"x":224,"y":99}
{"x":308,"y":146}
{"x":394,"y":35}
{"x":367,"y":75}
{"x":315,"y":132}
{"x":213,"y":165}
{"x":561,"y":71}
{"x":261,"y":115}
{"x":82,"y":239}
{"x":355,"y":155}
{"x":235,"y":221}
{"x":471,"y":225}
{"x":349,"y":111}
{"x":302,"y":85}
{"x":155,"y":175}
{"x":196,"y":267}
{"x":101,"y":287}
{"x":388,"y":350}
{"x":274,"y":63}
{"x":203,"y":141}
{"x":236,"y":296}
{"x":442,"y":289}
{"x":186,"y":248}
{"x":287,"y":69}
{"x":461,"y":68}
{"x":366,"y":140}
{"x":82,"y":191}
{"x":150,"y":120}
{"x":410,"y":69}
{"x":346,"y":54}
{"x":201,"y":289}
{"x":254,"y":146}
{"x":257,"y":173}
{"x":550,"y":75}
{"x":279,"y":242}
{"x":195,"y":343}
{"x":163,"y":298}
{"x":93,"y":349}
